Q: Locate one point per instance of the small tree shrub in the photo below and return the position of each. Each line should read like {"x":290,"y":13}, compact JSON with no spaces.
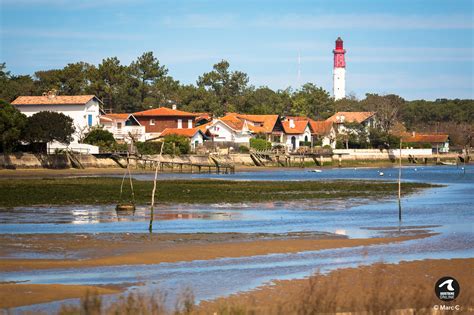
{"x":260,"y":144}
{"x":148,"y":148}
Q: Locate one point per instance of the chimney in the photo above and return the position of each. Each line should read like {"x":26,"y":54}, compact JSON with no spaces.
{"x":52,"y":93}
{"x":292,"y":123}
{"x":413,"y":133}
{"x":173,"y":106}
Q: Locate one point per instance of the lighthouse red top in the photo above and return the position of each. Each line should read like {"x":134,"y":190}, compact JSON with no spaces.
{"x":339,"y":52}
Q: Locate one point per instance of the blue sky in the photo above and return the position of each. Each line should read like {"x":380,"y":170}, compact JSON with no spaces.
{"x":417,"y":49}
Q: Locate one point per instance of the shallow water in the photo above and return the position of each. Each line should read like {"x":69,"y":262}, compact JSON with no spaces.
{"x":446,"y":210}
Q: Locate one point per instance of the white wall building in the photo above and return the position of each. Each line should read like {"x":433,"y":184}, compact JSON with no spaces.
{"x":123,"y":127}
{"x":85,"y":110}
{"x":227,"y":131}
{"x":296,"y":132}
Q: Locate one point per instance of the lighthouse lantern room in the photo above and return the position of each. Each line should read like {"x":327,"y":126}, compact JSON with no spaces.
{"x":339,"y":70}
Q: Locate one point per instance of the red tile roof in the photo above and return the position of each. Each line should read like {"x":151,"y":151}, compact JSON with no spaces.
{"x":321,"y":128}
{"x":189,"y":133}
{"x":426,"y":138}
{"x":116,"y":116}
{"x":348,"y":117}
{"x":232,"y":121}
{"x":54,"y":100}
{"x":266,"y":123}
{"x":299,"y":128}
{"x":165,"y":111}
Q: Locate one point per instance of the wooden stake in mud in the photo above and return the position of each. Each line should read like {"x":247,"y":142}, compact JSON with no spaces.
{"x":150,"y":226}
{"x":400,"y":184}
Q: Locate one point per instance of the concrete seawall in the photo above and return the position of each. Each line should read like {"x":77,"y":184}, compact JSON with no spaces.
{"x":53,"y":161}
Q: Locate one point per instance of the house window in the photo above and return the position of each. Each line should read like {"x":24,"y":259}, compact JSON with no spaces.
{"x":152,"y":122}
{"x":190,"y":123}
{"x":180,"y":124}
{"x":89,"y":120}
{"x":119,"y":125}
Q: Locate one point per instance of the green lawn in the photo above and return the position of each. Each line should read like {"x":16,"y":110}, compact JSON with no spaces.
{"x":62,"y":191}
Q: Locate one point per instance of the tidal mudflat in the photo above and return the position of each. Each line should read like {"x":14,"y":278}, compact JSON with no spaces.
{"x":217,"y":249}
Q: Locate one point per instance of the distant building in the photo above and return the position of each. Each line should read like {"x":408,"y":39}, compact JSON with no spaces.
{"x":85,"y":110}
{"x":157,"y":120}
{"x":341,"y":119}
{"x":339,"y":71}
{"x":323,"y":131}
{"x":195,"y":135}
{"x":439,"y":142}
{"x":297,"y":133}
{"x":124,"y":127}
{"x":239,"y":128}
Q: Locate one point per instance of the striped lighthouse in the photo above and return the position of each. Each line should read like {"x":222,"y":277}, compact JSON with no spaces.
{"x":339,"y":71}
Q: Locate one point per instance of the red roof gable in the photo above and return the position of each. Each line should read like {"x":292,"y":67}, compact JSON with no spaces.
{"x":165,"y":111}
{"x":321,"y":128}
{"x":349,"y":117}
{"x":426,"y":138}
{"x":189,"y":133}
{"x":54,"y":100}
{"x":299,"y":128}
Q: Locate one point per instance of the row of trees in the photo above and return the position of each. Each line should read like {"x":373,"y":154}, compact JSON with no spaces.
{"x":145,"y":83}
{"x":36,"y":130}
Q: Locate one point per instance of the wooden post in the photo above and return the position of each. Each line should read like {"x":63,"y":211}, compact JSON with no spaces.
{"x":340,"y":160}
{"x":400,"y":184}
{"x":159,"y":165}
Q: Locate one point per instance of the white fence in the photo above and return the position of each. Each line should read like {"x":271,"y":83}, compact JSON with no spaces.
{"x":378,"y":154}
{"x":80,"y":148}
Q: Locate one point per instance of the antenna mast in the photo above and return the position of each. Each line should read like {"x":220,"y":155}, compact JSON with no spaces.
{"x":299,"y":70}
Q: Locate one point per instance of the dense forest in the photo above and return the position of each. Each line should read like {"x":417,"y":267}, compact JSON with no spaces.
{"x":145,"y":83}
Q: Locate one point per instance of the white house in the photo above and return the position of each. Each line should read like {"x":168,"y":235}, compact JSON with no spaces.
{"x":439,"y":142}
{"x":295,"y":133}
{"x":230,"y":129}
{"x":123,"y":127}
{"x":195,"y":135}
{"x":341,"y":119}
{"x":323,"y":131}
{"x":85,"y":110}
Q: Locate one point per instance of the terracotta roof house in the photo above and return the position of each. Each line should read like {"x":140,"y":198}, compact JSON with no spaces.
{"x":340,"y":119}
{"x":230,"y":129}
{"x":85,"y":110}
{"x":157,"y":120}
{"x":123,"y":127}
{"x":239,"y":128}
{"x":324,"y":132}
{"x":195,"y":135}
{"x":349,"y":117}
{"x":438,"y":141}
{"x":296,"y":133}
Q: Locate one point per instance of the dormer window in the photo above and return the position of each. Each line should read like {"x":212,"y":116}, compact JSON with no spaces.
{"x":152,"y":122}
